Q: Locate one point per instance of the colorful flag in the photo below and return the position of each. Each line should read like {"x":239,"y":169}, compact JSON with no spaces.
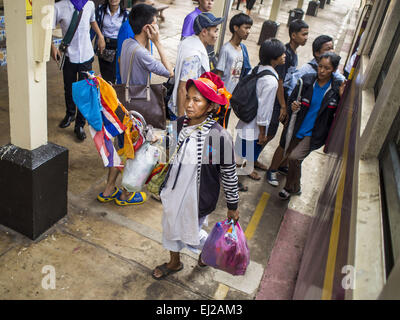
{"x":102,"y":141}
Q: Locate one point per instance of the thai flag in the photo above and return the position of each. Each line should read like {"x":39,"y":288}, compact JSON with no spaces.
{"x":103,"y":142}
{"x":111,"y":122}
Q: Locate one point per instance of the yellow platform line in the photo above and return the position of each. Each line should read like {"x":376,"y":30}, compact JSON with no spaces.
{"x":221,"y":292}
{"x":255,"y":219}
{"x":335,"y":231}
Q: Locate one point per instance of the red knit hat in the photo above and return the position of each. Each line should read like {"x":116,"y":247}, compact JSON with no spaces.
{"x":211,"y":87}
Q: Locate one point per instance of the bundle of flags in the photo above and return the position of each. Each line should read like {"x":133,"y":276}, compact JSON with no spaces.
{"x":97,"y":100}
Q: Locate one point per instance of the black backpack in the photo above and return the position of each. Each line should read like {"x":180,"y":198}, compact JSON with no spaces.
{"x":244,"y":97}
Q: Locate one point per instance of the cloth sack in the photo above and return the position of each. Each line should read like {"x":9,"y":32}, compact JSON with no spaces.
{"x":86,"y":96}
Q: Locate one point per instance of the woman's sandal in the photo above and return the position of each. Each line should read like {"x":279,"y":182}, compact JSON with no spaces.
{"x":165,"y":271}
{"x":260,"y":166}
{"x":242,"y":187}
{"x":254,"y":176}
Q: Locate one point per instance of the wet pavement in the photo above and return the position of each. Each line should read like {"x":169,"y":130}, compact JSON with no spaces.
{"x":103,"y":251}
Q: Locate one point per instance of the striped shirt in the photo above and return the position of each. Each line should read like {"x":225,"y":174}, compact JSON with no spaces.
{"x":205,"y":154}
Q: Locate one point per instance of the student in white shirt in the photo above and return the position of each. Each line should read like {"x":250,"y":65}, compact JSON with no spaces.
{"x":254,"y":133}
{"x":79,"y":54}
{"x":110,"y":16}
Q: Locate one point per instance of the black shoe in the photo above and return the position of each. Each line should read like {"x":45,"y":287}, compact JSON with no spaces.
{"x":66,"y":121}
{"x":80,"y":133}
{"x":283,"y":170}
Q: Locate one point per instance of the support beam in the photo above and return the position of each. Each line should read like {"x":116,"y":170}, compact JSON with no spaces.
{"x":33,"y":173}
{"x":276,"y":5}
{"x":27,"y":97}
{"x":222,"y":9}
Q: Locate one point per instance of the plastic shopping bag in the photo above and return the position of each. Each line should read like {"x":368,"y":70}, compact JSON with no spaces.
{"x":226,"y":248}
{"x":137,"y":170}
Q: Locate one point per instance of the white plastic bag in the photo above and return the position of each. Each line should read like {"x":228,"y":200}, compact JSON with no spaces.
{"x":137,"y":170}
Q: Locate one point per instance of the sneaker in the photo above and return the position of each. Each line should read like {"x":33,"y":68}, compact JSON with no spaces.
{"x":283,"y":170}
{"x":272,"y":178}
{"x":113,"y":196}
{"x":135,"y":198}
{"x":284,"y":194}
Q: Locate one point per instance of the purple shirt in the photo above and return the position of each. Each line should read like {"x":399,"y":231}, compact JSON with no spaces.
{"x":187,"y":29}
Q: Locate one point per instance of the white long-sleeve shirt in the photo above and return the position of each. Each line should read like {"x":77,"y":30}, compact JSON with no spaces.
{"x":267,"y":87}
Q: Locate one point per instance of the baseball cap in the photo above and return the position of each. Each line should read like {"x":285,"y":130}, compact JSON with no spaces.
{"x":205,"y":20}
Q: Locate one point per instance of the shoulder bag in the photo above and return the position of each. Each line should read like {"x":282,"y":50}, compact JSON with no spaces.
{"x":147,"y":99}
{"x":69,"y":35}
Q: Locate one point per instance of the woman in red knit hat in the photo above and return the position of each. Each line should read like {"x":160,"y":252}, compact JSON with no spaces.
{"x":191,"y":188}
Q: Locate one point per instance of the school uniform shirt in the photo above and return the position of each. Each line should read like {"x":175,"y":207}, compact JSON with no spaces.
{"x":143,"y":63}
{"x":112,"y":23}
{"x":80,"y":49}
{"x":230,"y":62}
{"x":267,"y":87}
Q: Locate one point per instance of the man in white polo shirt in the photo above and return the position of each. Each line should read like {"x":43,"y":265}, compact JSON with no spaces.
{"x":79,"y":54}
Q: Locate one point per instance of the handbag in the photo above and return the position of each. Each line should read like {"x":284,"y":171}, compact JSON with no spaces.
{"x":107,"y":55}
{"x":147,"y":99}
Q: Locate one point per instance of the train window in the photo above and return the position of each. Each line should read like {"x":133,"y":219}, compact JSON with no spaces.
{"x":379,"y":29}
{"x":387,"y":62}
{"x":389,"y":163}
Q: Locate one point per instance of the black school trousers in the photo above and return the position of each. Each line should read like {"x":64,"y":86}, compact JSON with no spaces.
{"x":250,"y":4}
{"x":72,"y":73}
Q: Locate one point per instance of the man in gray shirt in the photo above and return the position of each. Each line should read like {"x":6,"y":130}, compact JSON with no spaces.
{"x":143,"y":20}
{"x":143,"y":62}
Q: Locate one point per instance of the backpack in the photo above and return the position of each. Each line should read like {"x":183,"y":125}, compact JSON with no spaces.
{"x":244,"y":97}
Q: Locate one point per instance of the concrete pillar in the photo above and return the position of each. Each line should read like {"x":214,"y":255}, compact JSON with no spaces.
{"x":270,"y":27}
{"x":28,"y":98}
{"x":276,"y":5}
{"x":222,"y":9}
{"x":33,"y":173}
{"x":300,"y":4}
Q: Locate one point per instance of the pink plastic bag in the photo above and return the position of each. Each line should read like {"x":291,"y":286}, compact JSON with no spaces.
{"x":226,"y":248}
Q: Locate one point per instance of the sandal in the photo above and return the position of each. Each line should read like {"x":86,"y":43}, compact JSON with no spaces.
{"x":254,"y":176}
{"x":115,"y":195}
{"x":242,"y":187}
{"x":165,"y":271}
{"x":135,"y":198}
{"x":260,"y":166}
